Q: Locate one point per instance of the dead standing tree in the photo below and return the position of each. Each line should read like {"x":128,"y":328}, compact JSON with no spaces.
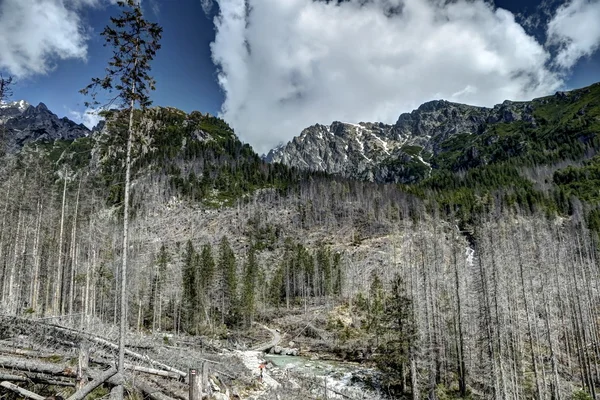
{"x":135,"y":42}
{"x":5,"y":94}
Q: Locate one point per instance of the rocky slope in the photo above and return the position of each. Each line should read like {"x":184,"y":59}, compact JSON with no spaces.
{"x":393,"y":153}
{"x":25,"y":123}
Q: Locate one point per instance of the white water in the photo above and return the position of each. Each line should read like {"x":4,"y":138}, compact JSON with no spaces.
{"x":334,"y":376}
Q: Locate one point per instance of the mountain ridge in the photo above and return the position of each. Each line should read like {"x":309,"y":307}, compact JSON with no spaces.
{"x":406,"y":151}
{"x":25,"y":123}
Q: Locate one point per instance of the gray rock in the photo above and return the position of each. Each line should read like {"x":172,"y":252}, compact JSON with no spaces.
{"x":25,"y":124}
{"x":392,"y":153}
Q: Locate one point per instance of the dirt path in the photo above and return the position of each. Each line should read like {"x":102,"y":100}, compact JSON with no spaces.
{"x":274,"y":341}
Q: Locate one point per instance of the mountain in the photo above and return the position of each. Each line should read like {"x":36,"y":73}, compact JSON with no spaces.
{"x":480,"y":276}
{"x":437,"y":135}
{"x":25,"y":123}
{"x":12,"y":109}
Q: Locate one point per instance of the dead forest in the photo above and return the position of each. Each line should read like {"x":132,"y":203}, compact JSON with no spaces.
{"x":503,"y":309}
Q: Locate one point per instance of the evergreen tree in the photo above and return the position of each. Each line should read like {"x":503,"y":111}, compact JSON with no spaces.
{"x":376,"y":307}
{"x":337,"y":274}
{"x":277,"y":286}
{"x":135,"y":42}
{"x":190,"y":289}
{"x":228,"y":271}
{"x":159,"y":275}
{"x":248,"y":305}
{"x":5,"y":88}
{"x":205,"y":280}
{"x":399,"y":337}
{"x":324,"y":266}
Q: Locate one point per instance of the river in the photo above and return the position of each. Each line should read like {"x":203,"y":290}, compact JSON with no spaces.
{"x":339,"y":379}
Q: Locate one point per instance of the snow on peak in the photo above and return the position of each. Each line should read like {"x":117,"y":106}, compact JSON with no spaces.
{"x":21,"y":105}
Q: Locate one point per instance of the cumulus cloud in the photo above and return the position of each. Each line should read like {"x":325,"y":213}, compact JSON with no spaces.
{"x":34,"y":35}
{"x":90,"y":116}
{"x":285,"y":65}
{"x":575,"y":30}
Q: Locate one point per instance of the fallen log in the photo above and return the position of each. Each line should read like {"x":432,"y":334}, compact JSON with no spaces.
{"x":101,"y":341}
{"x":21,"y":391}
{"x":138,"y":383}
{"x":37,"y":366}
{"x":89,"y":387}
{"x":174,"y":389}
{"x":113,"y":346}
{"x":152,"y":371}
{"x":37,"y":378}
{"x":26,"y":353}
{"x":150,"y":390}
{"x":138,"y":368}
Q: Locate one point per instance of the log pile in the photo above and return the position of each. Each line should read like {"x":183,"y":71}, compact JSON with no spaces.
{"x":70,"y":364}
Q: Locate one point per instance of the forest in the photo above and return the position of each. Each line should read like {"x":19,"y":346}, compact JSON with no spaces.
{"x":497,"y":302}
{"x":477,"y":280}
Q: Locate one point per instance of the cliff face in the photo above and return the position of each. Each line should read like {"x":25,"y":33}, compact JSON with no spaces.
{"x":25,"y":123}
{"x":393,"y":153}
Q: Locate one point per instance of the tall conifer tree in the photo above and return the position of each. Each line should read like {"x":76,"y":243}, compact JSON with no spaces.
{"x":135,"y":42}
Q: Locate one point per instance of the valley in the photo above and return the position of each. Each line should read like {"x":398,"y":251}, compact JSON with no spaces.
{"x":453,"y":255}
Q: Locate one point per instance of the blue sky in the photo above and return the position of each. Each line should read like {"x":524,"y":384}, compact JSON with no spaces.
{"x":281,"y":65}
{"x":184,"y":72}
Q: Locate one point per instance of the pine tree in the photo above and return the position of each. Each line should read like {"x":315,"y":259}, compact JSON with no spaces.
{"x":135,"y":42}
{"x":158,"y":281}
{"x":205,"y":281}
{"x":399,"y":337}
{"x":248,"y":305}
{"x":337,"y":274}
{"x":228,"y":283}
{"x":190,"y":288}
{"x":277,"y":286}
{"x":376,"y":307}
{"x":324,"y":266}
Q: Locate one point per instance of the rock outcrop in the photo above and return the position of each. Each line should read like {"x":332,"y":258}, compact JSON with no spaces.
{"x":24,"y":124}
{"x":392,"y":153}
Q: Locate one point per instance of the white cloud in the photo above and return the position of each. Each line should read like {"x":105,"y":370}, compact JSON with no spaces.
{"x":89,"y":117}
{"x":575,"y":29}
{"x":285,"y":65}
{"x":34,"y":34}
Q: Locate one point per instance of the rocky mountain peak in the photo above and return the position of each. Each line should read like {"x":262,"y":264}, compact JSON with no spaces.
{"x":41,"y":107}
{"x":12,"y":109}
{"x":392,"y":153}
{"x":433,"y":105}
{"x":25,"y":123}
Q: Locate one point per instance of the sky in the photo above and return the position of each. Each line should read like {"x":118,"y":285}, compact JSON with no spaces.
{"x":271,"y":68}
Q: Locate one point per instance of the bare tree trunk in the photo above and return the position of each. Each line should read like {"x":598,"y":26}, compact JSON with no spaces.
{"x":73,"y":251}
{"x":414,"y":380}
{"x":460,"y":348}
{"x":12,"y":296}
{"x":3,"y":229}
{"x":59,"y":278}
{"x":123,"y":296}
{"x":529,"y":325}
{"x":35,"y":282}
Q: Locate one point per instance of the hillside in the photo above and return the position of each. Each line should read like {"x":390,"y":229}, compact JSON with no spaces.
{"x":441,"y":136}
{"x":476,"y":279}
